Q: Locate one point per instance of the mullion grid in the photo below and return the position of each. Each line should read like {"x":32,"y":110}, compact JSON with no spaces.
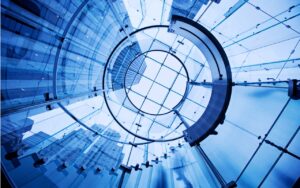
{"x":154,"y":81}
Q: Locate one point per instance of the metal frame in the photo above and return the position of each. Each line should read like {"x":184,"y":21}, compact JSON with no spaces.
{"x":218,"y":62}
{"x":105,"y":96}
{"x":221,"y":74}
{"x":185,"y":92}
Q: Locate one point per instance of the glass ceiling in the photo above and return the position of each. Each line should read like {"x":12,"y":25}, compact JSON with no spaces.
{"x":262,"y":42}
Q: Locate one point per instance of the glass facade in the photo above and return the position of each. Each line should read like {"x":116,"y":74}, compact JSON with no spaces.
{"x":149,"y":93}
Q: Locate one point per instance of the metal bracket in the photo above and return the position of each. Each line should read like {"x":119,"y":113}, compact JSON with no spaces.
{"x":294,"y":89}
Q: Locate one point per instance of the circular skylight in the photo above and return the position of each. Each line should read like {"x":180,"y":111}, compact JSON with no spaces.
{"x":161,"y":84}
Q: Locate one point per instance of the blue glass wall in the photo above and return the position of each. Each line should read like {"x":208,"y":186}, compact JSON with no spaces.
{"x":47,"y":35}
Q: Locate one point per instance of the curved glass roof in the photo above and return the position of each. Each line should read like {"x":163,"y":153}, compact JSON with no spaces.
{"x":251,"y":53}
{"x":59,"y":55}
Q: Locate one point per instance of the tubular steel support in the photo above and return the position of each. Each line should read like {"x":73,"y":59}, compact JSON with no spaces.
{"x":215,"y":170}
{"x":279,"y":157}
{"x":270,"y":129}
{"x":284,"y":150}
{"x":182,"y":119}
{"x":294,"y":89}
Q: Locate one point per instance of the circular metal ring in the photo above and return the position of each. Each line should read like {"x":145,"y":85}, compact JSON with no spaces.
{"x":216,"y":57}
{"x":221,"y":73}
{"x":214,"y":113}
{"x":104,"y":91}
{"x":186,"y":87}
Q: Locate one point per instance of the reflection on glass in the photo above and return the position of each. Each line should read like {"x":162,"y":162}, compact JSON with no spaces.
{"x":179,"y":163}
{"x":42,"y":145}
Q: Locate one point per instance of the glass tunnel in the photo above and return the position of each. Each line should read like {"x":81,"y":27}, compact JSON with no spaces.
{"x":150,"y":93}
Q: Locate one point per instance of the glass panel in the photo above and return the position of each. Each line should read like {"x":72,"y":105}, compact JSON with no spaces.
{"x":57,"y":129}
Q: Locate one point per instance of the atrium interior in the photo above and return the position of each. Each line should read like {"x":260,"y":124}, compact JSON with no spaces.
{"x":150,"y":93}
